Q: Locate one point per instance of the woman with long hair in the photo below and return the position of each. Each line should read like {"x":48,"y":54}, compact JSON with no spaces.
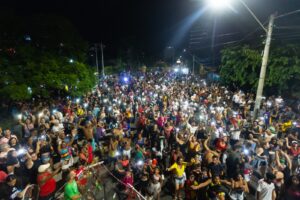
{"x":178,"y":169}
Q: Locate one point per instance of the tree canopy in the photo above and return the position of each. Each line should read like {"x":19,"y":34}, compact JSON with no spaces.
{"x":42,"y":57}
{"x":241,"y":67}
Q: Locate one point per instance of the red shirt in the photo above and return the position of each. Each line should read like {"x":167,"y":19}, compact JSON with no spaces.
{"x":3,"y":176}
{"x":140,"y":109}
{"x":68,"y":111}
{"x":79,"y":176}
{"x":48,"y":187}
{"x":221,"y":145}
{"x":90,"y":154}
{"x":127,"y":180}
{"x":295,"y":152}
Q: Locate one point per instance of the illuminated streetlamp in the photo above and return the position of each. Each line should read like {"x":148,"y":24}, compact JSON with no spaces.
{"x":218,"y":4}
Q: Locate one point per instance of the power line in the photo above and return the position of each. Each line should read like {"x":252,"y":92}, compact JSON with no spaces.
{"x":286,"y":14}
{"x":287,"y":27}
{"x":217,"y":36}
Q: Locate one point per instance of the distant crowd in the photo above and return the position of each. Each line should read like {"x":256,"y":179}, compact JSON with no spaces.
{"x":158,"y":133}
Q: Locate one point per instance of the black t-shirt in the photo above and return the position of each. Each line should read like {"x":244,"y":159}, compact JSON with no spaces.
{"x":30,"y":174}
{"x":45,"y":149}
{"x":201,"y":134}
{"x":215,"y":169}
{"x":202,"y":191}
{"x":9,"y":192}
{"x":287,"y":174}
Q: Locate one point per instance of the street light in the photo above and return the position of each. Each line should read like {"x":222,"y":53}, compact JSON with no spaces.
{"x":218,"y":4}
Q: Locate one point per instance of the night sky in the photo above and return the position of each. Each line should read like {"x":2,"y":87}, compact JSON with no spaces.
{"x":155,"y":24}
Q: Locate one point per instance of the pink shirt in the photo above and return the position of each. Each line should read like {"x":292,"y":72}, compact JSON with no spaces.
{"x":160,"y":121}
{"x":128,"y":180}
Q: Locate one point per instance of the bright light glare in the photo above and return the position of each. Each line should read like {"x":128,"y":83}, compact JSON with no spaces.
{"x":218,"y":4}
{"x":117,"y":153}
{"x":246,"y":151}
{"x":185,"y":70}
{"x":19,"y":116}
{"x":140,"y":163}
{"x":21,"y":151}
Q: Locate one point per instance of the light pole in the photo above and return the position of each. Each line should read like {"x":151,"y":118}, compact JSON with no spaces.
{"x":96,"y":52}
{"x":102,"y":59}
{"x":263,"y":68}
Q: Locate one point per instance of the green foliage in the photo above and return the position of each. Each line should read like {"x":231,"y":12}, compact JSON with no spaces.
{"x":110,"y":70}
{"x":117,"y":67}
{"x":241,"y":67}
{"x":40,"y":67}
{"x":161,"y":64}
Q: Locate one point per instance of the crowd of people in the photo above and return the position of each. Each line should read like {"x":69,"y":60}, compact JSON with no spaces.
{"x":157,"y":133}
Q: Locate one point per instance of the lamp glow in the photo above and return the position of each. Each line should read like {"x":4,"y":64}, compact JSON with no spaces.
{"x":218,"y":4}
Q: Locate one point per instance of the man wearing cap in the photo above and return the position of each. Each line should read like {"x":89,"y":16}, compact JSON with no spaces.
{"x":46,"y":181}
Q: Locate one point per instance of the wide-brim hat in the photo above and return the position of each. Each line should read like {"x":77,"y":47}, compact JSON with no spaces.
{"x":43,"y":168}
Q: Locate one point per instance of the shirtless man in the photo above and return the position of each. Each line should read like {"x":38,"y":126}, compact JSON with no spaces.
{"x":210,"y":153}
{"x":88,"y":131}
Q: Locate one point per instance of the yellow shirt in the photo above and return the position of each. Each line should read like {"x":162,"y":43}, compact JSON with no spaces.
{"x":286,"y":126}
{"x":80,"y":111}
{"x":179,"y":171}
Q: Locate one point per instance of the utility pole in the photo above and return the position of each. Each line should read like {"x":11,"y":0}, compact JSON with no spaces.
{"x":96,"y":51}
{"x":102,"y":60}
{"x":263,"y":67}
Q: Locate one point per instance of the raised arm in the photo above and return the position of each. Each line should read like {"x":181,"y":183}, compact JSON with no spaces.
{"x":288,"y":159}
{"x":205,"y":145}
{"x":277,"y":159}
{"x":287,"y":143}
{"x":79,"y":122}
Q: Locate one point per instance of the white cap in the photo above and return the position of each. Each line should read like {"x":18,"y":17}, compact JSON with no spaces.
{"x":43,"y":168}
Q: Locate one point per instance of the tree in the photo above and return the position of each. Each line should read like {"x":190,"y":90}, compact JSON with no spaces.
{"x":241,"y":67}
{"x":35,"y":62}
